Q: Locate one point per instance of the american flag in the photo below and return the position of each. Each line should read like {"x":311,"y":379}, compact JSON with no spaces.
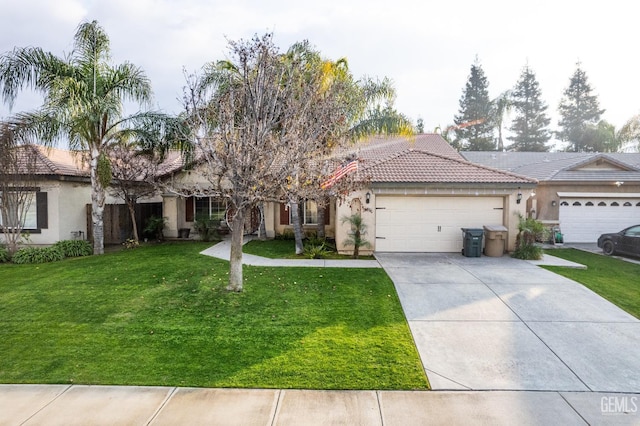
{"x":339,"y":173}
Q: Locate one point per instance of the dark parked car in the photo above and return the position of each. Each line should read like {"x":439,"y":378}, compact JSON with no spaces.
{"x":626,"y":241}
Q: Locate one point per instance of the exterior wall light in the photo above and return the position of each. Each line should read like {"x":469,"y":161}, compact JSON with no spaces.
{"x":519,"y":196}
{"x":368,"y":197}
{"x":554,"y":203}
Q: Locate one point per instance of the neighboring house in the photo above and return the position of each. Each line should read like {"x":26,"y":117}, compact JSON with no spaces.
{"x":61,"y":201}
{"x":585,"y":194}
{"x":61,"y":188}
{"x":420,"y":193}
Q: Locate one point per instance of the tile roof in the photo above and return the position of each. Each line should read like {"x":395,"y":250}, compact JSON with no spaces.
{"x":61,"y":162}
{"x":52,"y":161}
{"x":418,"y":166}
{"x":560,"y":166}
{"x":377,"y":148}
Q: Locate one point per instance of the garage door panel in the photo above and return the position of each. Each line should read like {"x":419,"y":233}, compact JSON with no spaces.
{"x":584,"y":224}
{"x":431,"y":224}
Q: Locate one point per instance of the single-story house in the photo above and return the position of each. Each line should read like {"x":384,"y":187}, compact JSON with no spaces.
{"x":585,"y":194}
{"x":61,"y":202}
{"x":61,"y":187}
{"x":420,"y":192}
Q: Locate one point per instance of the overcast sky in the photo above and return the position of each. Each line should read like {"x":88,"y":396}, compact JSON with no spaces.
{"x":425,"y":47}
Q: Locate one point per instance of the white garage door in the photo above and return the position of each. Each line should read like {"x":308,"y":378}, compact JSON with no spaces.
{"x":582,"y":220}
{"x":431,"y":224}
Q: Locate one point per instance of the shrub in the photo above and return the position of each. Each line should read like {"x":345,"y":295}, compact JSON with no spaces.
{"x":155,"y":227}
{"x":312,"y":239}
{"x":287,"y":235}
{"x":207,"y":228}
{"x":37,"y":255}
{"x":528,"y":252}
{"x":5,"y":256}
{"x":315,"y":251}
{"x":75,"y":248}
{"x":529,"y":230}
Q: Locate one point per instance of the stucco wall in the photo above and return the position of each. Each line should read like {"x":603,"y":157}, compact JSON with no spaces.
{"x":356,"y":202}
{"x":547,"y":193}
{"x":66,"y":211}
{"x":352,"y":204}
{"x":277,"y":229}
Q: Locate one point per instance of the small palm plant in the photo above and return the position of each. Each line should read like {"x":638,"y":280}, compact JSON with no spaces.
{"x":529,"y":230}
{"x":357,"y":233}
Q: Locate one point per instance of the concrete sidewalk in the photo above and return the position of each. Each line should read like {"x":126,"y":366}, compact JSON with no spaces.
{"x":121,"y":405}
{"x":222,"y":250}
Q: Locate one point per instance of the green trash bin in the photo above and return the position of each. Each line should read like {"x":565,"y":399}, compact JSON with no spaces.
{"x":472,"y":242}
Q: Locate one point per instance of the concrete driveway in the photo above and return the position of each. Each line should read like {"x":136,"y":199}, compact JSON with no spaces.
{"x":505,"y":324}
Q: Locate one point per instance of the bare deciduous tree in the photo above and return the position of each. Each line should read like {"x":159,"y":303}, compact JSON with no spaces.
{"x":17,"y":182}
{"x":258,"y":121}
{"x":133,"y":173}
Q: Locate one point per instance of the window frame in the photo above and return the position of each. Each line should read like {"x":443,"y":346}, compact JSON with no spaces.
{"x":306,"y":214}
{"x":220,"y":209}
{"x":37,"y":212}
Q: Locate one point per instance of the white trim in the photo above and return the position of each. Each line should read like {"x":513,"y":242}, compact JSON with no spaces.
{"x":598,"y":195}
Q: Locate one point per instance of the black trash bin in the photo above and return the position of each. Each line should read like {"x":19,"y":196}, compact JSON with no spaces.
{"x":472,"y":242}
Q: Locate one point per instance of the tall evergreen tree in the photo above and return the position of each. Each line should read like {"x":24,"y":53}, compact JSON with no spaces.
{"x":580,"y":112}
{"x":529,"y":127}
{"x":474,"y":127}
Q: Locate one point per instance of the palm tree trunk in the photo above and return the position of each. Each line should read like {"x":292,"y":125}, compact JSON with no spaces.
{"x":297,"y":227}
{"x":97,"y":204}
{"x":357,"y":238}
{"x":235,"y":261}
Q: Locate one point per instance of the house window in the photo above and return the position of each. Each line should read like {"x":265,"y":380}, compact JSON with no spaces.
{"x":615,"y":204}
{"x":564,"y":203}
{"x":209,"y":207}
{"x":627,"y":204}
{"x":28,"y":206}
{"x":308,"y":212}
{"x":589,"y":204}
{"x":602,"y":204}
{"x":577,"y":203}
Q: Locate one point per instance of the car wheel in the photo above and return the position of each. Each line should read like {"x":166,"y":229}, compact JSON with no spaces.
{"x":607,"y":247}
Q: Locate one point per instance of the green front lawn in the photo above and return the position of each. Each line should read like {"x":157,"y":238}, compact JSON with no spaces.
{"x":159,"y":315}
{"x":614,"y":279}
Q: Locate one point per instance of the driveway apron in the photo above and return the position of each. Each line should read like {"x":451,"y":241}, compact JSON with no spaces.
{"x":498,"y":323}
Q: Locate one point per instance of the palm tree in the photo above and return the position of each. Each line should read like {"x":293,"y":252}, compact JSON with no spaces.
{"x":356,"y":236}
{"x":629,"y":135}
{"x":503,"y":107}
{"x":83,"y":105}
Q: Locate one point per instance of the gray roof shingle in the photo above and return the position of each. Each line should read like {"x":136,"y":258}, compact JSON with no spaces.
{"x":562,"y":166}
